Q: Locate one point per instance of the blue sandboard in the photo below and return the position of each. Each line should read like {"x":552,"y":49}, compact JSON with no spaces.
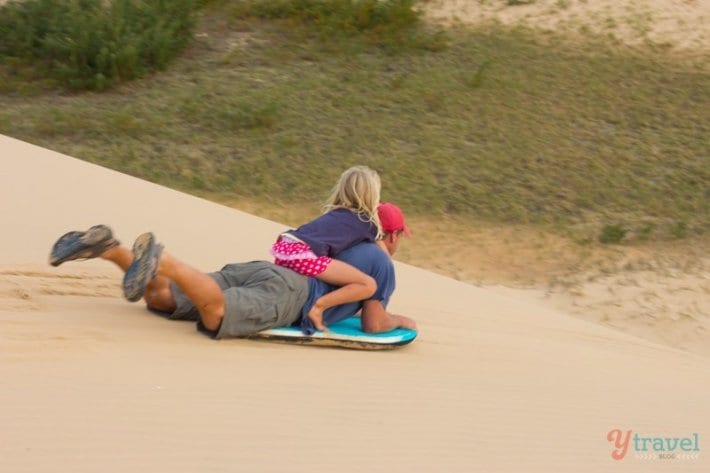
{"x":345,"y":334}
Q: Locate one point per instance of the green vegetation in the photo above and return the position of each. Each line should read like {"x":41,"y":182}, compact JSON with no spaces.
{"x":612,"y":234}
{"x":93,"y":43}
{"x":272,"y":100}
{"x":347,"y":25}
{"x":336,"y":17}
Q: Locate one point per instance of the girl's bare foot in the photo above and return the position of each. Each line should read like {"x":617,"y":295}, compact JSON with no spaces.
{"x":315,"y":315}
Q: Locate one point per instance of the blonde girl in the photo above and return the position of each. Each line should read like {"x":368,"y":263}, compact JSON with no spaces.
{"x":350,"y":218}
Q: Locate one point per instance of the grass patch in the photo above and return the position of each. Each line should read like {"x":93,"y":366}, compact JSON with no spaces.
{"x":394,"y":25}
{"x":500,"y":125}
{"x":228,"y":113}
{"x":334,"y":17}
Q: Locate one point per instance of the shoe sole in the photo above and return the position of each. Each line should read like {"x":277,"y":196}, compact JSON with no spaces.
{"x":143,"y":268}
{"x":90,"y":238}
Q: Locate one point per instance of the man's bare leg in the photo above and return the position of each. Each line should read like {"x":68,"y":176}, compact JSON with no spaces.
{"x":203,"y":291}
{"x":98,"y":241}
{"x":157,"y":295}
{"x":149,"y":260}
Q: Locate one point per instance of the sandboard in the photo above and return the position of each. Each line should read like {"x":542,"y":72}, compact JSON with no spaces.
{"x":345,"y":334}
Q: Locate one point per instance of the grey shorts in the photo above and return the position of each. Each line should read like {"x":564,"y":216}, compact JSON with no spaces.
{"x":258,"y":295}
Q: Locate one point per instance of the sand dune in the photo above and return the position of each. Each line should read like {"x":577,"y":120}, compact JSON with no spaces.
{"x":495,"y":382}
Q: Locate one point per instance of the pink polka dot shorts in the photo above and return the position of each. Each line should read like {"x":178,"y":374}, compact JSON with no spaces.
{"x":299,"y":257}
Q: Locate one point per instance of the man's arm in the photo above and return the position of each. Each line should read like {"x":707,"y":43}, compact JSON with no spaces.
{"x":376,"y":319}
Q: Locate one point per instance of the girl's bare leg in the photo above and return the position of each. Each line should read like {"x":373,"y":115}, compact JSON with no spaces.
{"x":354,"y":286}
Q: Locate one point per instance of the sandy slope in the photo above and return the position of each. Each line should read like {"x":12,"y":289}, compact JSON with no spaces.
{"x":659,"y":293}
{"x":683,"y":25}
{"x":496,"y":381}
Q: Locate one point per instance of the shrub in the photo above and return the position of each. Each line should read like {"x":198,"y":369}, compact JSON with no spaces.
{"x":95,"y":43}
{"x":612,"y":234}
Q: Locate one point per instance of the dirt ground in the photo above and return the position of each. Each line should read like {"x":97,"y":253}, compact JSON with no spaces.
{"x":681,"y":25}
{"x":657,"y":291}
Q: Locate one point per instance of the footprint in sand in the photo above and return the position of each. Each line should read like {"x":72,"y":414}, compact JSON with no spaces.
{"x":22,"y":289}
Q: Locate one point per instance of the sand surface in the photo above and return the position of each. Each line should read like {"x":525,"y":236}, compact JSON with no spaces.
{"x":497,"y":380}
{"x":681,"y":25}
{"x":657,"y":291}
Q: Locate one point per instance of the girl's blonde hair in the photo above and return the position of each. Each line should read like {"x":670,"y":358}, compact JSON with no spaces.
{"x":358,"y":189}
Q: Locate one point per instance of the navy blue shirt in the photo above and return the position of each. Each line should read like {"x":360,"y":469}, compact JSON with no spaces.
{"x":335,"y":231}
{"x":368,"y":258}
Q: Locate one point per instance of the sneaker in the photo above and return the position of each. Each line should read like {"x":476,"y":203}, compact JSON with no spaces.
{"x":82,"y":245}
{"x":146,"y":255}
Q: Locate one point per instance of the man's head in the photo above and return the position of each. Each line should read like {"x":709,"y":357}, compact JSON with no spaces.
{"x":393,"y":226}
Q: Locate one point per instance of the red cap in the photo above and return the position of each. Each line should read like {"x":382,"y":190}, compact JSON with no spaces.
{"x":392,"y":218}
